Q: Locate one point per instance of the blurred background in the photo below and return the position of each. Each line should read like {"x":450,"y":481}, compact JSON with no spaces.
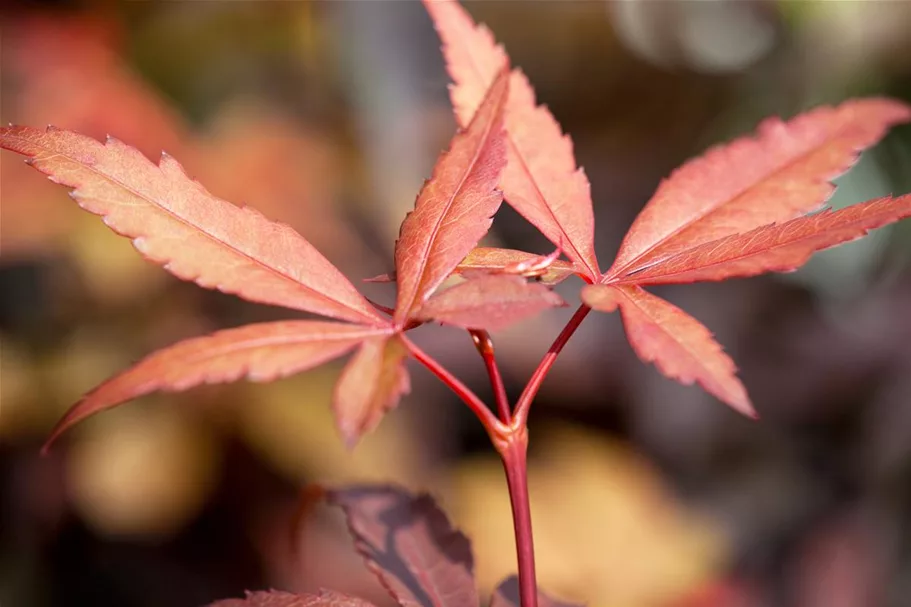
{"x":328,"y":116}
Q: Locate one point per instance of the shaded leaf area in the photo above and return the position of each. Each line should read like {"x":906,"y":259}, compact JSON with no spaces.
{"x":277,"y":598}
{"x":455,"y":207}
{"x":506,"y":261}
{"x":783,"y":172}
{"x":260,"y":352}
{"x":371,"y":384}
{"x":679,"y":345}
{"x":773,"y":248}
{"x":173,"y":221}
{"x":540,"y":180}
{"x":507,"y":595}
{"x":407,"y":541}
{"x":489,"y":302}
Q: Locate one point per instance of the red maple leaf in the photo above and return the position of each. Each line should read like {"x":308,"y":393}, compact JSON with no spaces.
{"x":739,"y":210}
{"x":744,"y":208}
{"x":173,"y":221}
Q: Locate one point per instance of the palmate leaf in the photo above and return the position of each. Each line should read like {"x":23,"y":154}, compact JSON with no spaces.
{"x":785,"y":171}
{"x":260,"y":352}
{"x":489,"y":302}
{"x":740,"y":210}
{"x":773,"y":248}
{"x":680,"y":346}
{"x":173,"y":221}
{"x":540,"y":180}
{"x":276,"y":598}
{"x":409,"y":544}
{"x":455,"y":207}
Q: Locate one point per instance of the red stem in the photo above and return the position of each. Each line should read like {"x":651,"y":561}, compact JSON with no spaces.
{"x":534,"y":384}
{"x":515,"y":462}
{"x":494,"y":426}
{"x":510,"y":436}
{"x":484,"y":344}
{"x":513,"y":449}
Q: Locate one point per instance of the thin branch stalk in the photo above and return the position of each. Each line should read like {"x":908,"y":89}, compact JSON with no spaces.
{"x":509,"y":435}
{"x":515,"y":462}
{"x":495,"y":428}
{"x":520,"y":416}
{"x":484,"y":344}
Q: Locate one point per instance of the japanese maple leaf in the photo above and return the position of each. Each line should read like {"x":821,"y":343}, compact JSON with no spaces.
{"x":541,"y":180}
{"x":409,"y":544}
{"x":742,"y":209}
{"x":173,"y":221}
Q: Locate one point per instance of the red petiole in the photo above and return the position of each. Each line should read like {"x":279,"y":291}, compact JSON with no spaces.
{"x":509,"y":434}
{"x":484,"y":344}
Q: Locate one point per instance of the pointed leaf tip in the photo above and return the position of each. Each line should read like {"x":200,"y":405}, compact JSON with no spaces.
{"x":784,"y":171}
{"x":370,"y":385}
{"x":455,"y":208}
{"x":260,"y":352}
{"x":680,"y":346}
{"x":194,"y":235}
{"x":780,"y":247}
{"x":546,"y":188}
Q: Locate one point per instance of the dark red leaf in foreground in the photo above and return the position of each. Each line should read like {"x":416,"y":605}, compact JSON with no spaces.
{"x":259,"y":352}
{"x":541,"y":179}
{"x":507,"y":595}
{"x":783,"y":172}
{"x":410,"y":545}
{"x":172,"y":220}
{"x":371,"y":384}
{"x":276,"y":598}
{"x":680,"y":346}
{"x":455,"y":207}
{"x":489,"y":302}
{"x":773,"y":248}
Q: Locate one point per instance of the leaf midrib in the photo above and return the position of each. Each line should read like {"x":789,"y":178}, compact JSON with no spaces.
{"x":281,"y":340}
{"x":424,"y":572}
{"x":626,"y":268}
{"x":593,"y":272}
{"x":631,"y":278}
{"x":425,"y":253}
{"x":156,"y":204}
{"x":664,"y":330}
